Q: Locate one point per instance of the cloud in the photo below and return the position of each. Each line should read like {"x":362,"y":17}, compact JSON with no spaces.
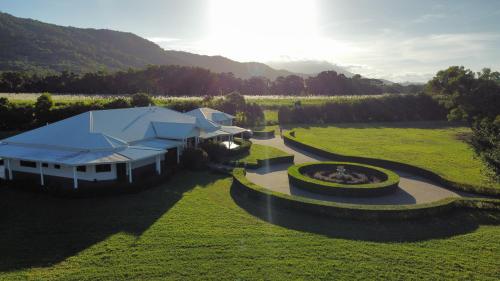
{"x":429,"y":17}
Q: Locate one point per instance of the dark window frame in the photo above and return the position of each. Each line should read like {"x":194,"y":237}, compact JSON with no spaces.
{"x":27,"y":164}
{"x":57,"y":166}
{"x":81,"y":169}
{"x":103,"y":168}
{"x":2,"y":162}
{"x":45,"y":165}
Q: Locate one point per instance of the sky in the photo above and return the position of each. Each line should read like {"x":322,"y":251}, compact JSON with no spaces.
{"x":397,"y":40}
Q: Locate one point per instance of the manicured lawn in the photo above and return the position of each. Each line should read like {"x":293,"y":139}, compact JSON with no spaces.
{"x":258,"y":151}
{"x":432,"y":145}
{"x":191,"y":229}
{"x":271,"y":116}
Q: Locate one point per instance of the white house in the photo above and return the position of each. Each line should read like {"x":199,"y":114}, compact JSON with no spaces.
{"x":108,"y":145}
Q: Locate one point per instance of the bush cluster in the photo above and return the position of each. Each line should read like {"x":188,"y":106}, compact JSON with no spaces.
{"x":194,"y":159}
{"x":217,"y":152}
{"x":390,"y":108}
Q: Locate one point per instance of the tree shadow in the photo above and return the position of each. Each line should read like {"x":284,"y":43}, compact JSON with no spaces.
{"x":39,"y":230}
{"x":446,"y":225}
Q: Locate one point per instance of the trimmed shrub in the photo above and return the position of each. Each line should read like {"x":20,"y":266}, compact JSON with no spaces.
{"x":389,"y":183}
{"x":244,"y":147}
{"x":216,"y":151}
{"x":247,"y":190}
{"x":269,"y":133}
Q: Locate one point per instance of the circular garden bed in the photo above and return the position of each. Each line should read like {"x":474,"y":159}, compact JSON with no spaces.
{"x":343,"y":179}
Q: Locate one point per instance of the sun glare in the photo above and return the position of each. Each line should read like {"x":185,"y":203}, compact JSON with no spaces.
{"x":263,"y":30}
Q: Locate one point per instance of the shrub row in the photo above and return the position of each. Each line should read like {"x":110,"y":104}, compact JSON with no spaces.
{"x":269,"y":133}
{"x":390,"y":108}
{"x":290,"y":139}
{"x":298,"y":179}
{"x":247,"y":190}
{"x":288,"y":159}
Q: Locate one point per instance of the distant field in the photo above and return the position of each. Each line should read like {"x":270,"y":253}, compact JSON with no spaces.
{"x":430,"y":145}
{"x":191,"y":228}
{"x":268,"y":102}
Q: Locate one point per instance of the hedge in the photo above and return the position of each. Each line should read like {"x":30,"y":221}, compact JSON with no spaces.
{"x":246,"y":190}
{"x":290,"y":139}
{"x":269,"y":133}
{"x":288,"y":159}
{"x":298,"y":179}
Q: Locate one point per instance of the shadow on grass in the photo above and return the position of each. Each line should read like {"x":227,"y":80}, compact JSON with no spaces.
{"x":38,"y":230}
{"x":446,"y":225}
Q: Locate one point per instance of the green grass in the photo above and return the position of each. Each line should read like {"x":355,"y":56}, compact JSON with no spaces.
{"x":271,"y":116}
{"x":431,"y":145}
{"x":191,"y":229}
{"x":258,"y":151}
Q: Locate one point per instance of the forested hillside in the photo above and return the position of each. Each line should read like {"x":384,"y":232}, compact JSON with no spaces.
{"x":30,"y":45}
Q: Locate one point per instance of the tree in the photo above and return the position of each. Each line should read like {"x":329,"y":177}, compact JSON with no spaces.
{"x":43,"y":106}
{"x":141,"y":99}
{"x":476,"y":100}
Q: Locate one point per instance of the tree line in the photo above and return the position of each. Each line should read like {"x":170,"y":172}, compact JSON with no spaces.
{"x":169,"y":80}
{"x":419,"y":107}
{"x":24,"y":116}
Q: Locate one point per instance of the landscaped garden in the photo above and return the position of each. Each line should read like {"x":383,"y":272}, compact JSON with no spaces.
{"x":192,"y":229}
{"x":437,"y":146}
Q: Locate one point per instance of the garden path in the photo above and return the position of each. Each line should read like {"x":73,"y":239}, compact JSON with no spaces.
{"x":413,"y":189}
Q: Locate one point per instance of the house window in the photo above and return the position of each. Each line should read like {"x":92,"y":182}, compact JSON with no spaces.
{"x":45,"y":165}
{"x":82,"y":169}
{"x":103,"y":168}
{"x":57,"y":166}
{"x":2,"y":162}
{"x":29,"y":164}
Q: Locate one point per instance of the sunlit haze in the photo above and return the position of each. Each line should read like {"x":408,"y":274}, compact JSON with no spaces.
{"x":396,"y":40}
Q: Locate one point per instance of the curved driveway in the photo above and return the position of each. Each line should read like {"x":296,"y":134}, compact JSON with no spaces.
{"x":413,"y":189}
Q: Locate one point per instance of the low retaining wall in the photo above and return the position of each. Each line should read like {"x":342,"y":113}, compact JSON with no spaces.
{"x":290,"y":139}
{"x":247,"y":190}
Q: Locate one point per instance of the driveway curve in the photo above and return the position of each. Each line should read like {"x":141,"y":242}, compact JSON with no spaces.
{"x":412,"y":189}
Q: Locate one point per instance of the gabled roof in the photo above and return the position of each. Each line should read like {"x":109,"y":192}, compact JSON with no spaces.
{"x":210,"y":114}
{"x":72,"y":133}
{"x":133,"y":124}
{"x":115,"y":135}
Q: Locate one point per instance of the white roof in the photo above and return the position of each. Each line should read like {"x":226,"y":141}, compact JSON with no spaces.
{"x":114,"y":135}
{"x":159,"y":143}
{"x":210,"y":114}
{"x":207,"y":135}
{"x":233,"y":130}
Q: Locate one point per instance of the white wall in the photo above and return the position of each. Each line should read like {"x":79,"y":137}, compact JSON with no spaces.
{"x":2,"y":171}
{"x":66,"y":171}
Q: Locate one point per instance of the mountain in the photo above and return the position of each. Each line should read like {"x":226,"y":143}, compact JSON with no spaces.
{"x":309,"y":67}
{"x":31,"y":45}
